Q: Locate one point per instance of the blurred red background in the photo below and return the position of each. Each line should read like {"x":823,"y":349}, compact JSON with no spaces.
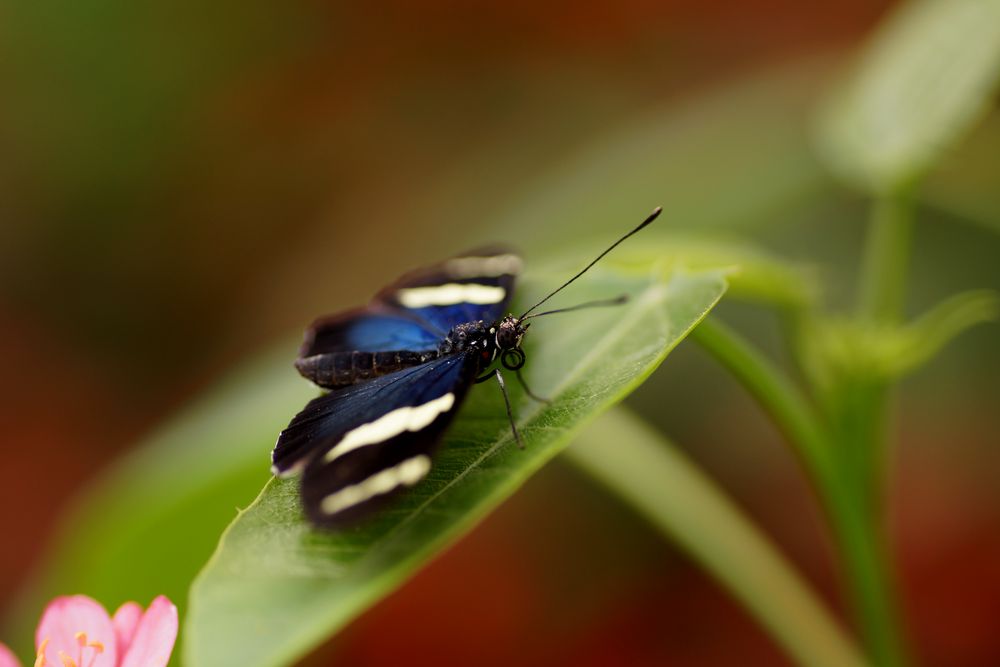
{"x":171,"y":175}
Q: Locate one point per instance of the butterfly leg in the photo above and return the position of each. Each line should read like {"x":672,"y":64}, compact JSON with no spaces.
{"x":520,"y":378}
{"x":510,"y":415}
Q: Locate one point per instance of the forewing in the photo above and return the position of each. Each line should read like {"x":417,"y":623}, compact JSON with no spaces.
{"x":476,"y":285}
{"x":362,"y":444}
{"x":419,"y":309}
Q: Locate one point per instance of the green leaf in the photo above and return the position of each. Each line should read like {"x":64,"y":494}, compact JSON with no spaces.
{"x":840,"y":350}
{"x":275,"y":588}
{"x":654,"y":477}
{"x":916,"y":344}
{"x":926,"y":77}
{"x":965,"y":183}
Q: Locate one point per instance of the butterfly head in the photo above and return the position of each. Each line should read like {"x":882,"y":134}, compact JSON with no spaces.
{"x":509,"y":332}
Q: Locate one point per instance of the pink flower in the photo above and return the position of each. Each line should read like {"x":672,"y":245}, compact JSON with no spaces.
{"x":76,"y":631}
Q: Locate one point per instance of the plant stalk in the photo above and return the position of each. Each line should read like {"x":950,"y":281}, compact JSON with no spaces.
{"x":775,"y":393}
{"x":858,"y":541}
{"x":862,"y":431}
{"x":882,"y":288}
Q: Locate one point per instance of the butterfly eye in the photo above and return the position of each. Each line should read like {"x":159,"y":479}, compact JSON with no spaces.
{"x":506,"y":338}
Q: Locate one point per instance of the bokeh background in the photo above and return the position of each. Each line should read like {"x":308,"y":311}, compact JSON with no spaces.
{"x":185,"y":184}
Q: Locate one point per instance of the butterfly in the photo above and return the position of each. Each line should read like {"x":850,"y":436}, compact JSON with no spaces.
{"x":397,"y":371}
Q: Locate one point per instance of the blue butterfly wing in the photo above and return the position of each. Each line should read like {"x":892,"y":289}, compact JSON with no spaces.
{"x":369,"y":329}
{"x":358,"y":345}
{"x":363,"y":444}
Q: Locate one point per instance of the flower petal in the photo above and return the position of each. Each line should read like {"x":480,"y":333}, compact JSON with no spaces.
{"x":154,"y":638}
{"x":63,"y":621}
{"x":125,"y":621}
{"x":8,"y":659}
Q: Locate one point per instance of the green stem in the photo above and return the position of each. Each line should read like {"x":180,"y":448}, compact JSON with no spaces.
{"x":858,"y":432}
{"x":648,"y":473}
{"x":775,"y":393}
{"x":887,"y":254}
{"x":861,"y":412}
{"x":858,"y":541}
{"x":860,"y":423}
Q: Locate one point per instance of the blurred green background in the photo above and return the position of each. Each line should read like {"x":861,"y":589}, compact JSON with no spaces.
{"x":182,"y":185}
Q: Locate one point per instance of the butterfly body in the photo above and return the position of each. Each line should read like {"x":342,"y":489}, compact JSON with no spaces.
{"x":342,"y":369}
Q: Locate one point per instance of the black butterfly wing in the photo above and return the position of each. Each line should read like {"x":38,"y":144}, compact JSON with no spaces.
{"x":476,"y":285}
{"x":361,"y":445}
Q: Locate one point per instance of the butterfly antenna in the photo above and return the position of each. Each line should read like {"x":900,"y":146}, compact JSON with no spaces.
{"x":652,"y":216}
{"x":616,"y":301}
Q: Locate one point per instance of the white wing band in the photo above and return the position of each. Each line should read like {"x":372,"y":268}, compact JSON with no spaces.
{"x":390,"y":425}
{"x":484,"y":267}
{"x":407,"y":473}
{"x":449,"y":295}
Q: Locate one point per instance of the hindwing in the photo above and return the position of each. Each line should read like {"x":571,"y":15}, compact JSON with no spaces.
{"x":362,"y":444}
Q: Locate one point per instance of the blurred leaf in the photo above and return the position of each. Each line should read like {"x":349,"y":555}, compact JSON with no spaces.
{"x":842,"y":348}
{"x":965,"y":183}
{"x":656,"y":479}
{"x":925,"y":78}
{"x":275,"y":588}
{"x":755,"y":274}
{"x":730,"y":157}
{"x":920,"y":341}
